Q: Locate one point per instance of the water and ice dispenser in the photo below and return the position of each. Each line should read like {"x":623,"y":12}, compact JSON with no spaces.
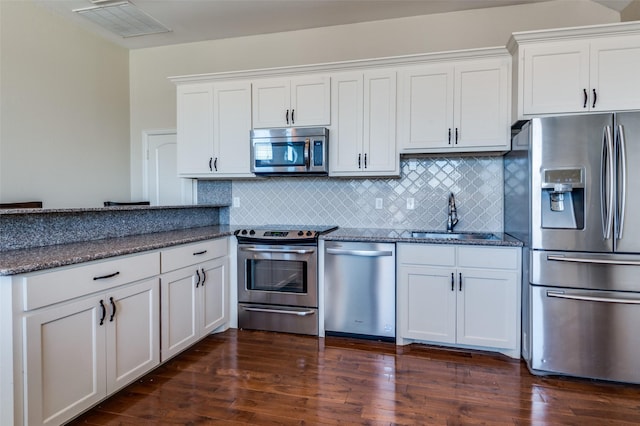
{"x":563,"y":198}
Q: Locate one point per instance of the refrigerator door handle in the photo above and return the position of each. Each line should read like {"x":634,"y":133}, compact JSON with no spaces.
{"x":607,"y":183}
{"x":602,"y":261}
{"x":588,"y":298}
{"x":622,"y":163}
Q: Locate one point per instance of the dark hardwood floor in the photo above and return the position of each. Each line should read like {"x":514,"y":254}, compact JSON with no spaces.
{"x":262,"y":378}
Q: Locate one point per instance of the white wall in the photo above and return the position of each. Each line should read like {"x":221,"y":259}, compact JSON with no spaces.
{"x":153,"y":96}
{"x":64,"y":128}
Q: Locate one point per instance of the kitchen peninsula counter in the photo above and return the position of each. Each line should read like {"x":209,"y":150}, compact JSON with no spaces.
{"x":21,"y":261}
{"x":404,"y":236}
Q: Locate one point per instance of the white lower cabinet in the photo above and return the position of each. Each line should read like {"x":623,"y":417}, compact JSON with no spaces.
{"x":465,"y":296}
{"x":84,"y":332}
{"x":195,"y":296}
{"x":79,"y":352}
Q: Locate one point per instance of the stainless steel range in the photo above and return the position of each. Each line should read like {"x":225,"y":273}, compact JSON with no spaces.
{"x":278,"y":278}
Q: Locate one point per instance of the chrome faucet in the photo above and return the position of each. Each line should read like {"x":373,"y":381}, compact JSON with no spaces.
{"x":452,"y":216}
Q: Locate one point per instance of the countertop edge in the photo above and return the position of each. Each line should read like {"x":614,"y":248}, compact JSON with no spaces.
{"x":396,"y":236}
{"x":49,"y":257}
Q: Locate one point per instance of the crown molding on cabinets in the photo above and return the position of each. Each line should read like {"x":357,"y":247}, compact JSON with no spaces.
{"x":558,"y":34}
{"x":417,"y":59}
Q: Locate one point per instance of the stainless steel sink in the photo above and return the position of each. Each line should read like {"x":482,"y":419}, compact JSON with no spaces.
{"x":453,"y":235}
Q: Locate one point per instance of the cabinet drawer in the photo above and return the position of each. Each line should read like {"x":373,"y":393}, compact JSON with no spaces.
{"x":425,"y":254}
{"x":57,"y":285}
{"x":190,"y":254}
{"x":488,"y":257}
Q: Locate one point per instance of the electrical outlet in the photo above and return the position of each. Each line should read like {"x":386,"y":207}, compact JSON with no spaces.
{"x":236,"y":201}
{"x":378,"y":203}
{"x":411,"y":203}
{"x":413,"y":164}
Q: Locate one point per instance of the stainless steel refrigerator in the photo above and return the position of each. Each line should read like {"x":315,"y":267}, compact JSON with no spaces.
{"x":572,"y":194}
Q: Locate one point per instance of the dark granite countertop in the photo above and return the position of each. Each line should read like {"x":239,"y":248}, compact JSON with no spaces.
{"x":21,"y":261}
{"x":103,"y":209}
{"x":404,"y":236}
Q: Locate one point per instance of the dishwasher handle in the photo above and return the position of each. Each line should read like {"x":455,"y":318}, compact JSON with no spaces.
{"x":361,"y":253}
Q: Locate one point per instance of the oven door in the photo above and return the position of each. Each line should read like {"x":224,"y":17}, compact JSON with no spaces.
{"x":278,"y":274}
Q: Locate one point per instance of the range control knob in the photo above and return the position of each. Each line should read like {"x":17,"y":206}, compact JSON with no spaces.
{"x":244,"y":232}
{"x":309,"y":233}
{"x":252,"y":232}
{"x":300,"y":233}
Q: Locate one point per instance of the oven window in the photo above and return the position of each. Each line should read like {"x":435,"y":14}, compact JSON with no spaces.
{"x":284,"y":276}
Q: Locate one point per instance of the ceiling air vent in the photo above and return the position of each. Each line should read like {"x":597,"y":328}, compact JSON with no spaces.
{"x":122,"y":18}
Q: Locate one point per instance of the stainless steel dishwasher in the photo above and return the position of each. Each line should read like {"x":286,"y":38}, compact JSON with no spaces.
{"x":360,"y":289}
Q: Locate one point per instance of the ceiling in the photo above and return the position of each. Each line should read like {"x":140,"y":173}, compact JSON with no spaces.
{"x":198,"y":20}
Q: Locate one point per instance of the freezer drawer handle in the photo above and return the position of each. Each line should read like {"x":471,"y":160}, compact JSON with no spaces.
{"x":363,"y":253}
{"x":560,"y":295}
{"x":304,"y":313}
{"x":258,"y":250}
{"x":600,"y":261}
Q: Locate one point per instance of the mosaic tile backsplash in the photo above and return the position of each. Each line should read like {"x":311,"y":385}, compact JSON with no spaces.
{"x":476,"y":182}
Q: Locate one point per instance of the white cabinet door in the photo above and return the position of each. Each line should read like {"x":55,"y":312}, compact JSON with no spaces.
{"x":426,"y":119}
{"x":363,"y":134}
{"x":615,"y":67}
{"x":271,"y":99}
{"x":195,"y":129}
{"x":347,"y":113}
{"x":214,"y":298}
{"x":429,"y":302}
{"x":310,"y":101}
{"x":179,"y":312}
{"x":556,"y":78}
{"x":461,"y":106}
{"x":133,"y":333}
{"x":481,"y":100}
{"x":380,"y":154}
{"x":64,"y":360}
{"x":231,"y":125}
{"x":487,"y":308}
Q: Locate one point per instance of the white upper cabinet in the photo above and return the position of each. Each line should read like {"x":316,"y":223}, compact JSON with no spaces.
{"x":294,"y":102}
{"x":195,"y":129}
{"x":231,"y":128}
{"x":456,"y":106}
{"x":363,"y":131}
{"x":587,"y":69}
{"x":214,"y":121}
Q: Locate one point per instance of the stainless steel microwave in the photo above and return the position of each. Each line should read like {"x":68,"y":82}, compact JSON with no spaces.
{"x":290,"y":151}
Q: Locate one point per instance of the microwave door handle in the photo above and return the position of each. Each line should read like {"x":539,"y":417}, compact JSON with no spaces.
{"x":307,"y":153}
{"x":622,"y":163}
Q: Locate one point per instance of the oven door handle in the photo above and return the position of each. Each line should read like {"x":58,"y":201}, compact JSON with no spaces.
{"x":303,"y":313}
{"x":259,"y":250}
{"x":364,"y":253}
